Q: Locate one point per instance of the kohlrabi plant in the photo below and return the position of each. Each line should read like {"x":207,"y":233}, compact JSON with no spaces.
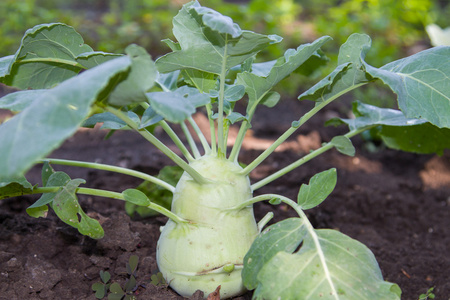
{"x":211,"y":237}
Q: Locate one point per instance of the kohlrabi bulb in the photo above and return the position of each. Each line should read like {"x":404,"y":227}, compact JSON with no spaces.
{"x":209,"y":250}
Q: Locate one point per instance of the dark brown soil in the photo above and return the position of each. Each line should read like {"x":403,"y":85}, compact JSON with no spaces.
{"x":395,"y":203}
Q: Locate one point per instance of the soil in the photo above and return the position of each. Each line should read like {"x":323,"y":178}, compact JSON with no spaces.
{"x":396,"y":203}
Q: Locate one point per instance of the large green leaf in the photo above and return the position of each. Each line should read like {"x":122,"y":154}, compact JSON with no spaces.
{"x":53,"y":117}
{"x":282,"y":236}
{"x":257,"y":86}
{"x":178,"y":105}
{"x":210,"y":42}
{"x":348,"y":75}
{"x":141,"y":78}
{"x":329,"y":265}
{"x":318,"y":189}
{"x":424,"y":139}
{"x":422,"y":84}
{"x":46,"y":57}
{"x":399,"y":132}
{"x":19,"y":100}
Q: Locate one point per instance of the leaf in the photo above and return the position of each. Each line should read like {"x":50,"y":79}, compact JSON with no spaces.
{"x":105,"y":276}
{"x":53,"y":117}
{"x":209,"y":41}
{"x":99,"y":289}
{"x":257,"y":86}
{"x":95,"y":58}
{"x":18,"y":101}
{"x":130,"y":284}
{"x":282,"y":236}
{"x":52,"y":179}
{"x":399,"y":132}
{"x":116,"y":292}
{"x":149,"y":118}
{"x":14,"y":187}
{"x":66,"y":206}
{"x":132,"y":264}
{"x":202,"y":81}
{"x":344,"y":145}
{"x":5,"y":62}
{"x":158,"y":194}
{"x":423,"y":139}
{"x":158,"y":279}
{"x":46,"y":57}
{"x":369,"y":115}
{"x":168,"y":82}
{"x":136,"y":197}
{"x":320,"y":186}
{"x":110,"y":121}
{"x":46,"y":172}
{"x":329,"y":265}
{"x":141,"y":78}
{"x":178,"y":105}
{"x":349,"y":74}
{"x":421,"y":83}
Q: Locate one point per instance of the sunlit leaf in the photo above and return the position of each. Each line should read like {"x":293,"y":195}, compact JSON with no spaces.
{"x":320,"y":186}
{"x":46,"y":57}
{"x":201,"y":33}
{"x":329,"y":265}
{"x":282,"y":236}
{"x":348,"y":74}
{"x":257,"y":86}
{"x":422,"y":84}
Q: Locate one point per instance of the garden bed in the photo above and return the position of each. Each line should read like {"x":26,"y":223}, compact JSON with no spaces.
{"x":395,"y":203}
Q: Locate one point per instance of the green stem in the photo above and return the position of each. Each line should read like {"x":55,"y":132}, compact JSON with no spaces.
{"x":110,"y":168}
{"x":190,"y":140}
{"x":220,"y":133}
{"x":200,"y":135}
{"x":112,"y":195}
{"x":301,"y":161}
{"x":173,"y":136}
{"x":239,"y":140}
{"x":293,"y":128}
{"x":158,"y":144}
{"x":212,"y":129}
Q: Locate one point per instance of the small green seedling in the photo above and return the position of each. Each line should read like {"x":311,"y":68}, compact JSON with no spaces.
{"x":116,"y":292}
{"x":428,"y":295}
{"x":211,"y":237}
{"x":158,"y":279}
{"x":101,"y":288}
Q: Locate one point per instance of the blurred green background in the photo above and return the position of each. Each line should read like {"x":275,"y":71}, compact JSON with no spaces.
{"x":397,"y":27}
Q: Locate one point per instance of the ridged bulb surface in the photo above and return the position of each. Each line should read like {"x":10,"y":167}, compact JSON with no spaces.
{"x":192,"y":256}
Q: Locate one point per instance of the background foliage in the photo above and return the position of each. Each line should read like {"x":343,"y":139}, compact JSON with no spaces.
{"x":397,"y":27}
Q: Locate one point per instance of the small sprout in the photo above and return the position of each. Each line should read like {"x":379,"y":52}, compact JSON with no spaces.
{"x":158,"y":279}
{"x":429,"y":294}
{"x":101,"y":288}
{"x":116,"y":292}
